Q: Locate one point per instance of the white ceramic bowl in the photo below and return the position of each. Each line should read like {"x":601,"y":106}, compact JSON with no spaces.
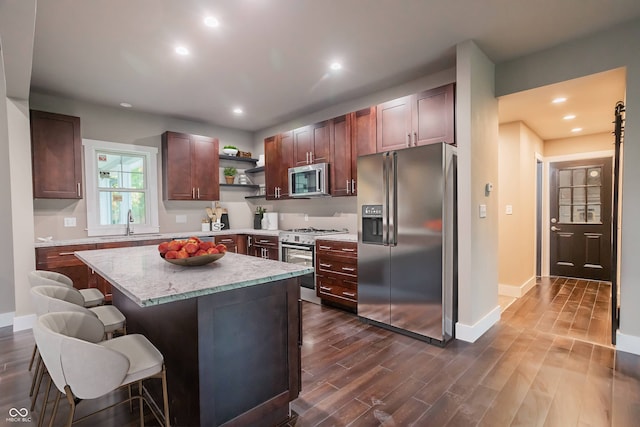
{"x":229,"y":151}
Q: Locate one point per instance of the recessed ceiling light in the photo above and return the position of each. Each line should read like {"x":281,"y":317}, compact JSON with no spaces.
{"x":237,"y":110}
{"x":569,"y":117}
{"x":559,"y":100}
{"x":576,"y":129}
{"x":181,"y":50}
{"x":335,"y":66}
{"x":211,"y":21}
{"x":125,"y":105}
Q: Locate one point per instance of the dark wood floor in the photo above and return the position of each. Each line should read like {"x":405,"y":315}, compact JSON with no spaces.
{"x":530,"y":369}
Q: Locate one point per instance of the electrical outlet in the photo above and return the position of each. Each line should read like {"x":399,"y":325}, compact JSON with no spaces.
{"x":483,"y":211}
{"x":70,"y":222}
{"x":306,"y":217}
{"x":508,"y":210}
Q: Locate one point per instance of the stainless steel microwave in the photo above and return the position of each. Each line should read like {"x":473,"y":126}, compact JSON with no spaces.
{"x":309,"y":180}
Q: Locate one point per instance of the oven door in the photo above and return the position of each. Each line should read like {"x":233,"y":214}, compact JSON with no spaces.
{"x":302,"y":255}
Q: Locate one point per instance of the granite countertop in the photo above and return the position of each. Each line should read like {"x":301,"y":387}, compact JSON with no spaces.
{"x":349,"y":237}
{"x":140,"y":273}
{"x":167,"y":236}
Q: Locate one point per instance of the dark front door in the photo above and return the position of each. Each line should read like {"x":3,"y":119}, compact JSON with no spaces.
{"x":580,"y":204}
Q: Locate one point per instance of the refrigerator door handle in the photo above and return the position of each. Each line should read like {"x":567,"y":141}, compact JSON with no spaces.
{"x":394,"y":210}
{"x":385,"y":219}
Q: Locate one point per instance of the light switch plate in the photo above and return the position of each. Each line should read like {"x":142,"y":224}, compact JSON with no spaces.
{"x":482,"y":211}
{"x":70,"y":222}
{"x":508,"y":210}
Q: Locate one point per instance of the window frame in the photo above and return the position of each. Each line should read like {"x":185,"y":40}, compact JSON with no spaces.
{"x":150,"y":154}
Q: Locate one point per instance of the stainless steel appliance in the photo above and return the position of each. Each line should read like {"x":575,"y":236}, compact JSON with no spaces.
{"x":297,"y":246}
{"x":407,"y":266}
{"x":309,"y":180}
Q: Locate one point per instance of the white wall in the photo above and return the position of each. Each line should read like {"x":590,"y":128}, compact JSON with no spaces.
{"x":614,"y":48}
{"x":477,"y":138}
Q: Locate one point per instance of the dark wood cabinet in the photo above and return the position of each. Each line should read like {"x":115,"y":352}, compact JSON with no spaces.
{"x":278,"y":152}
{"x":337,"y":273}
{"x":234,"y":243}
{"x":352,"y":135}
{"x":190,"y":167}
{"x":56,"y":152}
{"x":62,"y":260}
{"x":263,"y":246}
{"x":420,"y":119}
{"x":311,"y":144}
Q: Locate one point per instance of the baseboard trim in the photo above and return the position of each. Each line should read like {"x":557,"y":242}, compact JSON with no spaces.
{"x":517,"y":291}
{"x":627,"y":343}
{"x":470,"y":333}
{"x":6,"y":319}
{"x":21,"y":323}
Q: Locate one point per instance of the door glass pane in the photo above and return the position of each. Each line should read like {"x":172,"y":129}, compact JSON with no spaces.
{"x":578,"y":214}
{"x":114,"y":206}
{"x":565,"y":214}
{"x":564,"y":178}
{"x":565,"y":196}
{"x":593,"y":213}
{"x":579,"y":177}
{"x":579,"y":197}
{"x":594,"y":176}
{"x":593,"y":194}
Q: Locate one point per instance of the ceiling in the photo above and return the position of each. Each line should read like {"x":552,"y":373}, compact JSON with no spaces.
{"x":271,"y":57}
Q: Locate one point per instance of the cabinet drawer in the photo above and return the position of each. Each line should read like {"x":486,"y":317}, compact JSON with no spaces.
{"x":349,"y":249}
{"x":337,"y":264}
{"x":266,"y":241}
{"x":60,"y":256}
{"x":328,"y":286}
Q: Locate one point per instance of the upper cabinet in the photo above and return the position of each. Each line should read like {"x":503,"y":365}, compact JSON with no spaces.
{"x":420,"y":119}
{"x":278,"y":156}
{"x":56,"y":150}
{"x":311,"y":144}
{"x":190,"y":167}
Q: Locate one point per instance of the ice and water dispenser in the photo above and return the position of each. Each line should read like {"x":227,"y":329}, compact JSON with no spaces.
{"x":372,"y":224}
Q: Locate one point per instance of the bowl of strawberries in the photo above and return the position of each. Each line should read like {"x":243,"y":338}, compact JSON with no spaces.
{"x":191,"y":252}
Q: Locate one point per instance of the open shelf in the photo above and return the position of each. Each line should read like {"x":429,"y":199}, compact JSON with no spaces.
{"x":254,"y":170}
{"x":259,"y":196}
{"x":248,"y":186}
{"x":238,"y":159}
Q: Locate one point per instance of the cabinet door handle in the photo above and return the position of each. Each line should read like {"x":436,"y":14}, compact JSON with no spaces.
{"x":415,"y":139}
{"x":306,"y":160}
{"x":408,"y":140}
{"x":348,"y":187}
{"x":348,"y":269}
{"x":324,"y":288}
{"x":193,"y":193}
{"x":349,"y":294}
{"x":198,"y":192}
{"x":353,"y":186}
{"x":326,"y":248}
{"x":325,"y":265}
{"x":65,"y":253}
{"x":348,"y":250}
{"x":264,"y":241}
{"x":311,"y":156}
{"x":78,"y":188}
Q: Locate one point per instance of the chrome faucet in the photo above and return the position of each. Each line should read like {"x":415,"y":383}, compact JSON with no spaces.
{"x":129,"y":222}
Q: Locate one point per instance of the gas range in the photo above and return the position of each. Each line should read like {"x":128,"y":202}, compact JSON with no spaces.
{"x":307,"y":235}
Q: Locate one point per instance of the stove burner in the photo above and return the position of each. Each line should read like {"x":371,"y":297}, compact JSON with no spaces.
{"x":313,"y":230}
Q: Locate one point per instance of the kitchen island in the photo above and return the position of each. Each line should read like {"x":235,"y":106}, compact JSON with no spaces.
{"x":230,"y":331}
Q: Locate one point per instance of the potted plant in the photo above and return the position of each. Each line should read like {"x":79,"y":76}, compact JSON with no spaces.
{"x":257,"y":219}
{"x":230,"y":174}
{"x":230,"y":150}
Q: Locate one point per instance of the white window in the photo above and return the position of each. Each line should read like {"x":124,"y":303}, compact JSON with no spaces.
{"x":120,"y":178}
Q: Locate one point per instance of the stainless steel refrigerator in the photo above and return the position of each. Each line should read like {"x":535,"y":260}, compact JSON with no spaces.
{"x":407,"y":234}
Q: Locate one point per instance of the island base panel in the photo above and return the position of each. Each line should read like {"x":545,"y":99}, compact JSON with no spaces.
{"x":233,"y":358}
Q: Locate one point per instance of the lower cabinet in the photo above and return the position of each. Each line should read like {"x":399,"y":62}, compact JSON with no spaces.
{"x":337,"y":272}
{"x":233,"y":242}
{"x":62,"y":260}
{"x":263,"y":246}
